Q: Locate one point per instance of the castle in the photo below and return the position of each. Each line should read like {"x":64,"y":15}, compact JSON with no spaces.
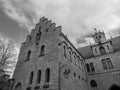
{"x":49,"y":61}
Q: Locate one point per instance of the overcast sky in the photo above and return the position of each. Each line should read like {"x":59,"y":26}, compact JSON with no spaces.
{"x":77,"y":17}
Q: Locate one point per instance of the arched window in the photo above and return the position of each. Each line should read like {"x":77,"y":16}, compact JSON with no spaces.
{"x":88,"y":67}
{"x":38,"y":77}
{"x":92,"y":67}
{"x":18,"y":86}
{"x":93,"y":83}
{"x":75,"y":59}
{"x":42,"y":52}
{"x":28,"y":55}
{"x":47,"y":75}
{"x":104,"y":63}
{"x":70,"y":55}
{"x":38,"y":36}
{"x":31,"y":77}
{"x":114,"y":87}
{"x":109,"y":63}
{"x":102,"y":50}
{"x":65,"y":51}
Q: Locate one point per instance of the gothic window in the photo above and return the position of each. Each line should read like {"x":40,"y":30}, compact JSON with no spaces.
{"x":38,"y":36}
{"x":18,"y":86}
{"x":102,"y":50}
{"x":70,"y":54}
{"x":79,"y":61}
{"x":75,"y":59}
{"x":38,"y":76}
{"x":92,"y":67}
{"x":104,"y":63}
{"x":109,"y":63}
{"x":64,"y":51}
{"x":42,"y":51}
{"x":31,"y":77}
{"x":88,"y":67}
{"x":28,"y":55}
{"x":47,"y":75}
{"x":93,"y":83}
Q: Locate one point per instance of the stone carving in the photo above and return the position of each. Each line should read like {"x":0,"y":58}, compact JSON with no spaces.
{"x":66,"y":73}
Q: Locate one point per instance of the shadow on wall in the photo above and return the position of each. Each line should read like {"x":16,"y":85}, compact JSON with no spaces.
{"x":114,"y":87}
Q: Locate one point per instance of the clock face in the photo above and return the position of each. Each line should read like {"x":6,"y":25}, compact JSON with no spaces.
{"x":98,"y":37}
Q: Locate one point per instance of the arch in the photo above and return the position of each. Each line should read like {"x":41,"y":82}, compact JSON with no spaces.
{"x":114,"y":87}
{"x":47,"y":75}
{"x":28,"y":55}
{"x":31,"y":77}
{"x":102,"y":50}
{"x":65,"y":43}
{"x":109,"y":63}
{"x":93,"y":83}
{"x":42,"y":50}
{"x":38,"y":36}
{"x":18,"y":86}
{"x":88,"y":67}
{"x":92,"y":66}
{"x":38,"y":77}
{"x":70,"y":53}
{"x":65,"y":51}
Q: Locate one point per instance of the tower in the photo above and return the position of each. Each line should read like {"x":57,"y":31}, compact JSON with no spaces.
{"x":99,"y":36}
{"x":49,"y":61}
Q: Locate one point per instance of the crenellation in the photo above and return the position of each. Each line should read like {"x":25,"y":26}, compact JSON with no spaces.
{"x":58,"y":28}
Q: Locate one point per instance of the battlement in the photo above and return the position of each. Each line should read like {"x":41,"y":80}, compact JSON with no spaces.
{"x":44,"y":28}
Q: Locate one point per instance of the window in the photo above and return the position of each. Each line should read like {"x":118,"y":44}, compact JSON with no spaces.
{"x":75,"y":59}
{"x":102,"y":50}
{"x":42,"y":52}
{"x":93,"y":83}
{"x":38,"y":77}
{"x":109,"y":63}
{"x":64,"y":51}
{"x":47,"y":75}
{"x":104,"y":63}
{"x":18,"y":86}
{"x":88,"y":67}
{"x":70,"y":55}
{"x":28,"y":55}
{"x":31,"y":77}
{"x":92,"y":67}
{"x":38,"y":35}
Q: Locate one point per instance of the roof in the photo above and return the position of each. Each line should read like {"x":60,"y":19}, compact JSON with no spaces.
{"x":87,"y":51}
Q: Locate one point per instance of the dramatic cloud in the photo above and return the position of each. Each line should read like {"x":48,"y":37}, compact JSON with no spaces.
{"x":77,"y":17}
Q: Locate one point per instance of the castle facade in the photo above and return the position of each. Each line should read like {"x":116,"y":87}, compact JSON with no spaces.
{"x":49,"y":61}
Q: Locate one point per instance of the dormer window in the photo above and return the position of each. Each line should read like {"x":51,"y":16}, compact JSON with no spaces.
{"x":102,"y":50}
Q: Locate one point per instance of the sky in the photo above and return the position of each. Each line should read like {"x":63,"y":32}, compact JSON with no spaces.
{"x":78,"y":18}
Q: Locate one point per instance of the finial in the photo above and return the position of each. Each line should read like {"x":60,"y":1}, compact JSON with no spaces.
{"x":110,"y":35}
{"x":95,"y":29}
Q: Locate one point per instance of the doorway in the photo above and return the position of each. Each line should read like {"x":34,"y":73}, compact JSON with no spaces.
{"x":114,"y":87}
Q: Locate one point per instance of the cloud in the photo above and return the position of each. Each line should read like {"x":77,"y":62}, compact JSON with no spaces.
{"x":77,"y":17}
